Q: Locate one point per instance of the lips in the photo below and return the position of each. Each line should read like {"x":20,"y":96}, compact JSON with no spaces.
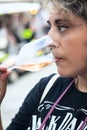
{"x":58,"y":59}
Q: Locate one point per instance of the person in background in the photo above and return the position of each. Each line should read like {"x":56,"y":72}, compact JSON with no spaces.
{"x":67,"y":98}
{"x":28,"y":34}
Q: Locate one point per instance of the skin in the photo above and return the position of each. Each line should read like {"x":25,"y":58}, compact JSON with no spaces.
{"x":69,"y":35}
{"x":3,"y":82}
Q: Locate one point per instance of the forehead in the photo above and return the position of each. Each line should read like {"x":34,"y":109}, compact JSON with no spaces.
{"x":64,"y":16}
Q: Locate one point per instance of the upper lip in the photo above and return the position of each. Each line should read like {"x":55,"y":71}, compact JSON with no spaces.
{"x":57,"y":58}
{"x":56,"y":54}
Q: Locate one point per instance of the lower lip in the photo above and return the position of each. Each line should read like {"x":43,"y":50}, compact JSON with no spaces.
{"x":59,"y":59}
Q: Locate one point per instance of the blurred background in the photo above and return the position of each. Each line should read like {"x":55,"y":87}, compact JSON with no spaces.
{"x":21,"y":21}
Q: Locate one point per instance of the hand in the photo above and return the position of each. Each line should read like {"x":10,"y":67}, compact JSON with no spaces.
{"x":3,"y":81}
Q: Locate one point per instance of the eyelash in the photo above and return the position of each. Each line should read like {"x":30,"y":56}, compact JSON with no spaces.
{"x":62,"y":27}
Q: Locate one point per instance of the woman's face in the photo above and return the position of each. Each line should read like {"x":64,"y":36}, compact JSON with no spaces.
{"x":69,"y":35}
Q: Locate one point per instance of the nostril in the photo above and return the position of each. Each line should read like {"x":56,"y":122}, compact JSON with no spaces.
{"x":52,"y":47}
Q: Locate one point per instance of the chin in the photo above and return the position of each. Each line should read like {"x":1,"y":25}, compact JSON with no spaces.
{"x":65,"y":74}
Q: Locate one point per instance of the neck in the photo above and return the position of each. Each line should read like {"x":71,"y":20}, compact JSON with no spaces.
{"x":81,"y":84}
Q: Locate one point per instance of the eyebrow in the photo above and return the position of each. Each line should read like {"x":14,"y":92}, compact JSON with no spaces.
{"x":61,"y":20}
{"x":57,"y":21}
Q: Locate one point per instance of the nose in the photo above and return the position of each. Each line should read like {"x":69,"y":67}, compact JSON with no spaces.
{"x":55,"y":37}
{"x":50,"y":34}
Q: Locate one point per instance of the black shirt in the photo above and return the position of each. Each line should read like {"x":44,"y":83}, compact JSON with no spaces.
{"x":67,"y":115}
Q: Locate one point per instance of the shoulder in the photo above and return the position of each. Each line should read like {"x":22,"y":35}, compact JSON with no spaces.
{"x":38,"y":89}
{"x":61,"y":83}
{"x":64,"y":80}
{"x":40,"y":86}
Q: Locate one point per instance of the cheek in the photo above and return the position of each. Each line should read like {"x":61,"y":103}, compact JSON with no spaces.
{"x":78,"y":58}
{"x":74,"y":44}
{"x":76,"y":38}
{"x":75,"y":51}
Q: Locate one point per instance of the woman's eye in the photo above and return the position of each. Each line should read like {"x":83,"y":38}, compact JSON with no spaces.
{"x":62,"y":28}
